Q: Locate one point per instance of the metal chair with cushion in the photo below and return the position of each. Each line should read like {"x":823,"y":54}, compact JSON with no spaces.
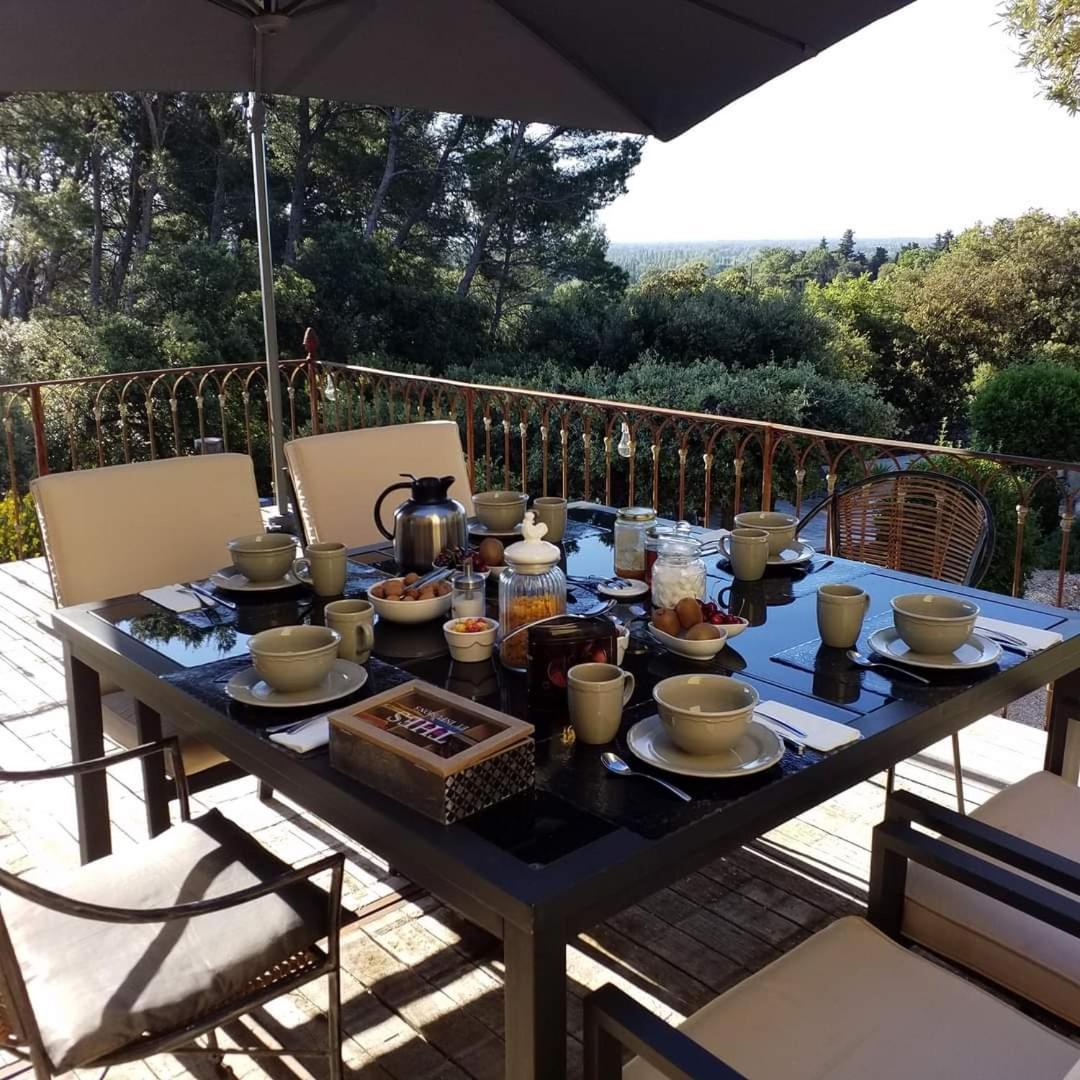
{"x":124,"y":528}
{"x":142,"y":952}
{"x":852,"y":1002}
{"x":917,"y":521}
{"x":338,"y":477}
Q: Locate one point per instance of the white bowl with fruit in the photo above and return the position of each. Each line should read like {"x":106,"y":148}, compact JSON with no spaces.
{"x":397,"y":601}
{"x":694,"y":629}
{"x":472,"y":639}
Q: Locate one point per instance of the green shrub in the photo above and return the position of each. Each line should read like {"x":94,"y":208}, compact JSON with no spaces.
{"x":1032,"y":410}
{"x":19,"y":536}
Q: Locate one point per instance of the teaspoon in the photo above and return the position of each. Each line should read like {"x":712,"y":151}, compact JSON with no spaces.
{"x":614,"y":763}
{"x":859,"y":660}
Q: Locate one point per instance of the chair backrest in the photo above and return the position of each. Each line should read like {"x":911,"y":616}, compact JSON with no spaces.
{"x":920,"y":522}
{"x":123,"y":528}
{"x":338,"y":477}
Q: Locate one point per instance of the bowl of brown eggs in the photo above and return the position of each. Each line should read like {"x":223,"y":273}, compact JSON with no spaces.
{"x":397,"y":601}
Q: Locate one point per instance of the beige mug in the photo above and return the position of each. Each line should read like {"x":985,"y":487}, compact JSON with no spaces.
{"x":354,"y":620}
{"x":323,"y":567}
{"x":551,"y":510}
{"x":597,"y":694}
{"x":748,"y":550}
{"x":840,"y":613}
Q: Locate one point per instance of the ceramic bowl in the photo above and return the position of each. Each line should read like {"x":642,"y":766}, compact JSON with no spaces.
{"x":734,"y":629}
{"x":780,"y":527}
{"x":471,"y":648}
{"x":690,"y":650}
{"x":500,"y":511}
{"x":704,"y":714}
{"x":263,"y":556}
{"x":933,"y":623}
{"x":291,"y":658}
{"x":411,"y":611}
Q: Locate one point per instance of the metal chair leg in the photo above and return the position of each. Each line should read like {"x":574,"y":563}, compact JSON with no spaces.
{"x":958,"y":772}
{"x":334,"y":1023}
{"x":266,"y":792}
{"x":890,"y":780}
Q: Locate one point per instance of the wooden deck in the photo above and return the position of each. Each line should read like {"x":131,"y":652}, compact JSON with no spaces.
{"x":422,"y":989}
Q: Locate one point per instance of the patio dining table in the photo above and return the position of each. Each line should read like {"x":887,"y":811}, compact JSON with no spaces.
{"x":583,"y":845}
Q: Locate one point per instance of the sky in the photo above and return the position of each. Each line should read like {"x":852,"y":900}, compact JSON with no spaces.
{"x":919,"y":123}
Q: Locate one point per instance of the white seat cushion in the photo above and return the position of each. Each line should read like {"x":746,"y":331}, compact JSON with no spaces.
{"x":338,"y":477}
{"x":851,"y":1004}
{"x":1021,"y":953}
{"x":124,"y":528}
{"x":118,"y":722}
{"x":97,"y":986}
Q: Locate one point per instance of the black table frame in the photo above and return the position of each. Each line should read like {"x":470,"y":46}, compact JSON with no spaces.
{"x":536,"y":911}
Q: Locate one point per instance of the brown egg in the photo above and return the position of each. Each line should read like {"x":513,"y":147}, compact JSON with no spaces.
{"x":442,"y":589}
{"x":666,"y":620}
{"x":410,"y":578}
{"x":378,"y":591}
{"x":412,"y":594}
{"x":689,"y":612}
{"x":702,"y":631}
{"x":393,"y":589}
{"x":427,"y":593}
{"x":491,"y":552}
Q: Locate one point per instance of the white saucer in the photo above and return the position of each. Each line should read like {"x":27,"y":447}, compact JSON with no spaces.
{"x":478,"y":528}
{"x":622,"y":588}
{"x":248,"y":688}
{"x":231,"y":580}
{"x":976,"y":652}
{"x":799,"y":552}
{"x":759,"y":749}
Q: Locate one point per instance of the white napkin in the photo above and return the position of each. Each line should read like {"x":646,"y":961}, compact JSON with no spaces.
{"x":315,"y":733}
{"x":1032,"y":636}
{"x":174,"y":597}
{"x":821,"y":734}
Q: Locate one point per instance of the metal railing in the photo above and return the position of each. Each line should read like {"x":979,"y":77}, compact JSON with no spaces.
{"x":689,"y":465}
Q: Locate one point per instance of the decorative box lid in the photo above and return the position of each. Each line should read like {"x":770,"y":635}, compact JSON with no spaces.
{"x":434,"y":729}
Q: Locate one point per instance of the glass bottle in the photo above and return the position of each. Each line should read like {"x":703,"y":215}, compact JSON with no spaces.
{"x":469,"y":596}
{"x":531,"y":587}
{"x":631,"y":524}
{"x":679,"y":571}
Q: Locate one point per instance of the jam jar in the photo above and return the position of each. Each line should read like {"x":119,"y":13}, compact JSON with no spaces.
{"x":531,"y":587}
{"x":679,"y":571}
{"x":631,"y":525}
{"x":653,"y":536}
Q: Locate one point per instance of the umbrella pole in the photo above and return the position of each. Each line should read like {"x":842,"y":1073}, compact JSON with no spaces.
{"x":257,"y":114}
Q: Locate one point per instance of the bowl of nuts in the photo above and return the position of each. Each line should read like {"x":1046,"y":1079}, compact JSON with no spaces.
{"x":397,"y":601}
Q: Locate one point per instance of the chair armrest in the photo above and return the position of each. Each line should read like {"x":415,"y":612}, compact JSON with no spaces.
{"x":896,"y":843}
{"x":168,"y":745}
{"x":614,"y":1020}
{"x":1040,"y":862}
{"x":82,"y":909}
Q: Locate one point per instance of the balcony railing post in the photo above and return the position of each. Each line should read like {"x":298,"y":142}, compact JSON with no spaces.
{"x":37,"y":416}
{"x":470,"y":437}
{"x":311,"y":348}
{"x":766,"y":469}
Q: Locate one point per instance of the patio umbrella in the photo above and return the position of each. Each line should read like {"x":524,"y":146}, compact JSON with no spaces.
{"x":653,"y":67}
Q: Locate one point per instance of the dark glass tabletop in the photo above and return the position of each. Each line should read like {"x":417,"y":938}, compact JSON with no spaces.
{"x":575,"y":800}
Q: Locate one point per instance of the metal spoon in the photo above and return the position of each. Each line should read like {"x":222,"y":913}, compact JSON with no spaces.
{"x":614,"y":763}
{"x":859,"y":660}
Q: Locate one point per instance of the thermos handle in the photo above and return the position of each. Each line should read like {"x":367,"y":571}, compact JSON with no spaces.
{"x":378,"y":506}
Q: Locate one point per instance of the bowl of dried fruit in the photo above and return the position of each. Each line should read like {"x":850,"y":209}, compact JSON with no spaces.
{"x":397,"y":601}
{"x":472,"y":639}
{"x":694,"y":629}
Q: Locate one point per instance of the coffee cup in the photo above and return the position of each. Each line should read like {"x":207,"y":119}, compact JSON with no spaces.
{"x":323,"y":567}
{"x":840,"y":613}
{"x":551,"y":510}
{"x":780,"y":527}
{"x":597,"y":694}
{"x":354,"y":620}
{"x":748,"y":551}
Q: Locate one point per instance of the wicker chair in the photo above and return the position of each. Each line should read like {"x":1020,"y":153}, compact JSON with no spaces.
{"x":221,"y":927}
{"x":919,"y":522}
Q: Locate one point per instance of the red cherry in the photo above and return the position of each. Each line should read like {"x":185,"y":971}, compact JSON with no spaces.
{"x":717,"y":619}
{"x":599,"y":656}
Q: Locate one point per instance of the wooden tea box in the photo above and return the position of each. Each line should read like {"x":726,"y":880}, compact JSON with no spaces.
{"x":439,"y":753}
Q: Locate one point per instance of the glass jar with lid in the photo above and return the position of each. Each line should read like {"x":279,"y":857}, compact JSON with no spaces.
{"x":653,"y":536}
{"x":469,"y":593}
{"x":631,"y":525}
{"x":531,"y":587}
{"x":679,"y":571}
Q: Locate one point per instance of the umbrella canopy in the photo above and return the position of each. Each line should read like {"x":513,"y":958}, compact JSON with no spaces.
{"x":653,"y":67}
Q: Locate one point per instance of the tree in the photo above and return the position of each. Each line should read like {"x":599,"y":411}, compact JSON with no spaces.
{"x":846,"y":248}
{"x":1049,"y":35}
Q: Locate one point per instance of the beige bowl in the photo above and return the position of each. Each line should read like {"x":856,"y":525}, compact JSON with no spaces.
{"x":780,"y":527}
{"x":411,"y":611}
{"x":704,"y":714}
{"x":471,"y":648}
{"x":933,"y":623}
{"x":263,"y":556}
{"x":292,"y":658}
{"x":500,"y":511}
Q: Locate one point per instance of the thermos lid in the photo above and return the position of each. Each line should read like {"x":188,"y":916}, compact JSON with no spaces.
{"x":533,"y":551}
